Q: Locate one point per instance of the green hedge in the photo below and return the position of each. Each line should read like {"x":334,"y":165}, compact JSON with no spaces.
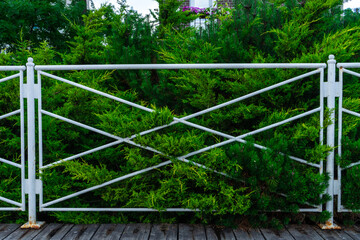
{"x":253,"y":182}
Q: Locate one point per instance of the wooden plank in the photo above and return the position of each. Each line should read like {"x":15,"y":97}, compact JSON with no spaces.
{"x":49,"y":230}
{"x":210,"y":233}
{"x":273,"y":234}
{"x":23,"y":234}
{"x":109,"y":231}
{"x":136,"y":232}
{"x":7,"y":229}
{"x":250,"y":234}
{"x":61,"y":232}
{"x":303,"y":232}
{"x":332,"y":234}
{"x":193,"y":232}
{"x":353,"y":232}
{"x":164,"y":232}
{"x":227,"y":234}
{"x":82,"y":232}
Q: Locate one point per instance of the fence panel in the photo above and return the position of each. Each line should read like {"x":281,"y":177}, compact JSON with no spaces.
{"x":15,"y":162}
{"x":347,"y":117}
{"x":32,"y":92}
{"x":319,"y":69}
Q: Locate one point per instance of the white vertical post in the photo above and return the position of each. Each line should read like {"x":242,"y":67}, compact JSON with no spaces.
{"x":31,"y":140}
{"x":31,"y":143}
{"x":330,"y":139}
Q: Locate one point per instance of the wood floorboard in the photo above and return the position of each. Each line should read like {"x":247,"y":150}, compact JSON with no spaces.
{"x":273,"y":234}
{"x":109,"y":231}
{"x":227,"y":234}
{"x":332,"y":234}
{"x":210,"y":233}
{"x":23,"y":234}
{"x":353,"y":232}
{"x":164,"y":232}
{"x":61,"y":232}
{"x":136,"y":232}
{"x":250,"y":234}
{"x":48,"y":230}
{"x":81,"y":232}
{"x":305,"y":232}
{"x":193,"y":232}
{"x":7,"y":229}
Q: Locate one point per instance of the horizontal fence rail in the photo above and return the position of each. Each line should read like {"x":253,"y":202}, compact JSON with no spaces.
{"x":180,"y":66}
{"x":32,"y":90}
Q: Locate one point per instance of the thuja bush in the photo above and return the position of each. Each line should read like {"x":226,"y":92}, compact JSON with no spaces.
{"x":248,"y":178}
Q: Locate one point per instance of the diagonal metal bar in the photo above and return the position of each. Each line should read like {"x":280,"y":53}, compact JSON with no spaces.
{"x":128,"y":175}
{"x":351,"y":72}
{"x":283,"y":154}
{"x":106,"y":183}
{"x":280,"y":123}
{"x":203,"y":166}
{"x":182,"y":159}
{"x":252,"y":94}
{"x":229,"y":137}
{"x":195,"y":114}
{"x":97,"y":92}
{"x":10,"y":163}
{"x":10,"y":77}
{"x":286,"y":195}
{"x":10,"y":201}
{"x":81,"y":125}
{"x":182,"y":120}
{"x":351,"y":112}
{"x":10,"y":114}
{"x":83,"y":154}
{"x":253,"y":132}
{"x":351,"y":165}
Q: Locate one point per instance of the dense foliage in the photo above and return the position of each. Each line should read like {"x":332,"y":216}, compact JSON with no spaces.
{"x":242,"y":180}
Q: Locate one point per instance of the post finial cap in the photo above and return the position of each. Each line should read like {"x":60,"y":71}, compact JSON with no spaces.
{"x":30,"y":62}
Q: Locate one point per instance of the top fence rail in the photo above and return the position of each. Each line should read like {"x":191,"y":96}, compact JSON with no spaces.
{"x":348,"y":65}
{"x":12,"y":68}
{"x":180,"y":66}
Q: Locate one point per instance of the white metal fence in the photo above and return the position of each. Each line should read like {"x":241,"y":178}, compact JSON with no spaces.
{"x":30,"y":91}
{"x":20,"y":206}
{"x":343,"y":68}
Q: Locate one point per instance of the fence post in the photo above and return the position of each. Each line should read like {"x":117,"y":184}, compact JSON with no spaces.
{"x":330,"y":90}
{"x":30,"y":182}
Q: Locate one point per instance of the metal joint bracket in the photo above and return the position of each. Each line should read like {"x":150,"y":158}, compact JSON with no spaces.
{"x":38,"y":186}
{"x":337,"y":187}
{"x":332,"y":89}
{"x":36,"y":90}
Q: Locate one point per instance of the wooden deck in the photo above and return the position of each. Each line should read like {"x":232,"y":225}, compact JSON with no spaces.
{"x":58,"y":231}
